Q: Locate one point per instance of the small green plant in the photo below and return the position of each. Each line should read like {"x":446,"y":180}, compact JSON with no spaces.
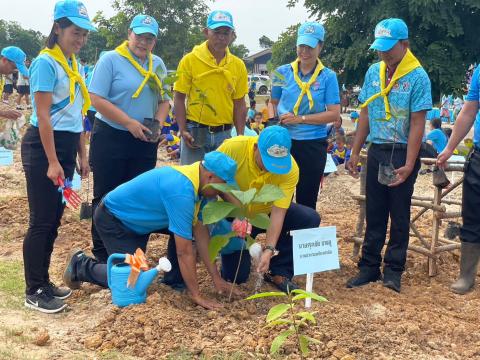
{"x":216,"y":211}
{"x":290,"y":314}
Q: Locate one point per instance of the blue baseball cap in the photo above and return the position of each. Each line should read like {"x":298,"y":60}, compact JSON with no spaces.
{"x":74,"y":11}
{"x":169,"y":137}
{"x":219,"y":18}
{"x":310,"y":33}
{"x":222,"y":166}
{"x":274,"y":144}
{"x":142,"y":24}
{"x":388,"y":32}
{"x":16,"y":55}
{"x":354,"y":115}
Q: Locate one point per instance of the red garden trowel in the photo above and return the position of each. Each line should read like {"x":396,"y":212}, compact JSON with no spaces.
{"x":70,"y":196}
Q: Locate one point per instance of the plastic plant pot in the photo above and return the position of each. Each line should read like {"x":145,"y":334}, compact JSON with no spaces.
{"x":386,"y":173}
{"x":440,"y":178}
{"x":154,"y":126}
{"x":199,"y":135}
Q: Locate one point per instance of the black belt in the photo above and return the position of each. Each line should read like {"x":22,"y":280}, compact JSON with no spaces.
{"x":389,"y":146}
{"x":211,"y":129}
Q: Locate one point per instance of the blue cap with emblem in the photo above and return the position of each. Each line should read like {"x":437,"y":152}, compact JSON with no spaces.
{"x":142,"y":24}
{"x":222,"y":166}
{"x":74,"y":11}
{"x":219,"y":18}
{"x":17,"y":56}
{"x":310,"y":33}
{"x":274,"y":144}
{"x":388,"y":32}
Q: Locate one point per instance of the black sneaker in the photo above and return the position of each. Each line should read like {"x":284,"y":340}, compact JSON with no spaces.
{"x":59,"y":292}
{"x":392,"y":279}
{"x":365,"y":276}
{"x":44,"y":301}
{"x":69,"y":273}
{"x":286,"y":285}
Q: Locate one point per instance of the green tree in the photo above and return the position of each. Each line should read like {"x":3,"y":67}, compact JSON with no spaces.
{"x":30,"y":41}
{"x":265,"y":42}
{"x":284,"y":49}
{"x":239,"y":50}
{"x":442,"y":35}
{"x":97,"y":42}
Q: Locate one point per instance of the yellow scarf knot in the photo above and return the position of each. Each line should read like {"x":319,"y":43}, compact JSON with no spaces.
{"x":202,"y":52}
{"x":406,"y":66}
{"x":73,"y":75}
{"x":305,"y":86}
{"x":147,"y":74}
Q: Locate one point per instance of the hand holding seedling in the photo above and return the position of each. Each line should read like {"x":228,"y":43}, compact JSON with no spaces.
{"x":223,"y":287}
{"x":138,"y":130}
{"x":188,"y":138}
{"x":401,"y":174}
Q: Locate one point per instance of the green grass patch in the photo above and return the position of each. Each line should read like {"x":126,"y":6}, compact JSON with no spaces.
{"x":12,"y":284}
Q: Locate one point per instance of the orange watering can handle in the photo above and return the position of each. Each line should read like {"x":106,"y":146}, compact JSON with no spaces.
{"x":111,"y":258}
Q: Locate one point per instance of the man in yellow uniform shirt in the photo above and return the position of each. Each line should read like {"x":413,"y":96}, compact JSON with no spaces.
{"x":266,"y":159}
{"x":213,"y":83}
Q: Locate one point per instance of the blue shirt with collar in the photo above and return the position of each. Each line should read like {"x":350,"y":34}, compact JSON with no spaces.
{"x":324,"y":91}
{"x":116,"y":80}
{"x":438,"y":138}
{"x":411,"y":93}
{"x":474,"y":95}
{"x":157,"y":199}
{"x":46,"y":75}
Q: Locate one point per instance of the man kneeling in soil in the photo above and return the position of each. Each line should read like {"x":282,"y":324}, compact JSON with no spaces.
{"x":261,"y":160}
{"x":160,"y":200}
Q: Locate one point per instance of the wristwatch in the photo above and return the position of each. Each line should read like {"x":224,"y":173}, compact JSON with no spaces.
{"x":303,"y":119}
{"x":272,"y":249}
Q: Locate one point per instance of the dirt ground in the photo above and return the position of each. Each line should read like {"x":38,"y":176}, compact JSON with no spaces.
{"x":425,"y":321}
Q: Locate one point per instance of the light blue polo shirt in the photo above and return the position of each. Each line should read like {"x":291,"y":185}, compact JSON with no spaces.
{"x":157,"y":199}
{"x":411,"y":93}
{"x":438,"y":138}
{"x":474,"y":95}
{"x":46,"y":75}
{"x":116,"y":80}
{"x":324,"y":91}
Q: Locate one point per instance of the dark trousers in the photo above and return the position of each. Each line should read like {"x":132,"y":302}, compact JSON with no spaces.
{"x":297,"y":217}
{"x":470,"y":230}
{"x":381,"y":202}
{"x":44,"y":201}
{"x":311,"y":156}
{"x":117,"y":238}
{"x":116,"y":157}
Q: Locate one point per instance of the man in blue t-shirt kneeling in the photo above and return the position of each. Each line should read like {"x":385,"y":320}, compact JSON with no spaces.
{"x":165,"y":199}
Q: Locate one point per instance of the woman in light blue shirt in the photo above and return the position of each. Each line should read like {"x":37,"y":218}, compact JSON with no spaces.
{"x":50,"y":147}
{"x":126,"y":90}
{"x":307,"y":98}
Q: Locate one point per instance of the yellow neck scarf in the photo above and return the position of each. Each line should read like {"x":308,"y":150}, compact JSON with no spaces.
{"x":203,"y":54}
{"x":2,"y":84}
{"x":407,"y":65}
{"x":73,"y":75}
{"x":305,"y":86}
{"x":192,"y":172}
{"x":147,"y":74}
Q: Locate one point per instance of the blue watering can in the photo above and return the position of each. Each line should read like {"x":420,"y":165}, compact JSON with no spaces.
{"x":118,"y":274}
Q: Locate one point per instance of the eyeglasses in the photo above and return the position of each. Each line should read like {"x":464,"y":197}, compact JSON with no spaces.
{"x":218,"y":32}
{"x":149,"y":40}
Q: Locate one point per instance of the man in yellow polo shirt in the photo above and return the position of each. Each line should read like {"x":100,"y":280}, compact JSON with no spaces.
{"x":213,"y":82}
{"x":265,"y":159}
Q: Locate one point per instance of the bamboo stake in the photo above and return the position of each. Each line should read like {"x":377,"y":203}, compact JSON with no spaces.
{"x":432,"y":263}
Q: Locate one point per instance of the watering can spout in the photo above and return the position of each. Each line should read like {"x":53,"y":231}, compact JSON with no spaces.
{"x":147,"y":277}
